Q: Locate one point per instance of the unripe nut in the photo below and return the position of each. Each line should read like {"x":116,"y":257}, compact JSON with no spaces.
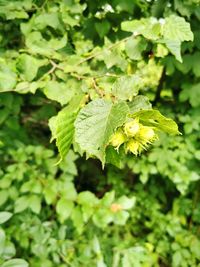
{"x":133,"y":146}
{"x":131,"y":128}
{"x":146,"y":134}
{"x":117,"y":139}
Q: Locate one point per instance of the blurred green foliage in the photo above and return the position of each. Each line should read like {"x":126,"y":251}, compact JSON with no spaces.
{"x":55,"y":57}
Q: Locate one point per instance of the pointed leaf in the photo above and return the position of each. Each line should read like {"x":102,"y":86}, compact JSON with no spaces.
{"x":15,"y":263}
{"x":5,"y":216}
{"x":64,"y":208}
{"x":148,"y":27}
{"x":174,"y":47}
{"x":96,"y":123}
{"x":135,"y":47}
{"x":28,"y":66}
{"x":156,"y":119}
{"x":126,"y":87}
{"x":177,"y":29}
{"x":140,"y":102}
{"x":63,"y":130}
{"x":59,"y":92}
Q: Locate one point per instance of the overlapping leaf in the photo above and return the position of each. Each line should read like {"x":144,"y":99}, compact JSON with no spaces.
{"x":156,"y":119}
{"x":96,"y":123}
{"x":62,"y":126}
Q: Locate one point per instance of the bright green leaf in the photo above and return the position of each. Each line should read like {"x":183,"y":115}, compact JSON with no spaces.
{"x":102,"y":27}
{"x":64,"y":208}
{"x":8,"y":78}
{"x":176,"y":28}
{"x":140,"y":102}
{"x":87,"y":198}
{"x":58,"y":91}
{"x":126,"y":203}
{"x":96,"y":123}
{"x":28,"y":66}
{"x":35,"y":203}
{"x":15,"y":263}
{"x":126,"y":87}
{"x":2,"y":241}
{"x":174,"y":47}
{"x":150,"y":28}
{"x":134,"y":48}
{"x":156,"y":119}
{"x":64,"y":125}
{"x":5,"y":216}
{"x":21,"y":204}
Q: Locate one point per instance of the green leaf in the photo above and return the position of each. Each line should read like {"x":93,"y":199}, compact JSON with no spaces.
{"x":87,"y":198}
{"x":126,"y":87}
{"x":26,"y":87}
{"x":52,"y":125}
{"x":95,"y":124}
{"x":9,"y":250}
{"x":38,"y":45}
{"x":64,"y":208}
{"x":195,"y":248}
{"x":77,"y":218}
{"x":177,"y":29}
{"x":12,"y":10}
{"x":58,"y":91}
{"x":140,"y":102}
{"x":126,"y":203}
{"x":5,"y":216}
{"x":47,"y":19}
{"x":188,"y":62}
{"x":65,"y":130}
{"x":3,"y":196}
{"x":2,"y":241}
{"x":121,"y":217}
{"x":177,"y":259}
{"x":195,"y":64}
{"x":21,"y":204}
{"x":50,"y":192}
{"x":64,"y":124}
{"x":113,"y":58}
{"x":150,"y":28}
{"x":156,"y":119}
{"x":69,"y":191}
{"x":108,"y":198}
{"x":191,"y":93}
{"x":113,"y":157}
{"x":35,"y":203}
{"x":134,"y":48}
{"x":15,"y":263}
{"x":174,"y":47}
{"x":102,"y":217}
{"x":28,"y":66}
{"x":8,"y":78}
{"x":102,"y":27}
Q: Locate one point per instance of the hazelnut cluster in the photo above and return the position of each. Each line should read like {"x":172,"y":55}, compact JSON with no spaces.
{"x":134,"y":135}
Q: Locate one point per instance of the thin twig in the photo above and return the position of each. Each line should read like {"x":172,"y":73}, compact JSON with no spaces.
{"x":97,"y":89}
{"x":80,"y":77}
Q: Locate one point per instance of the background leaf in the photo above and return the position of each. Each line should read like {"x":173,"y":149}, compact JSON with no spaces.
{"x":15,"y":263}
{"x":177,"y":29}
{"x":5,"y":216}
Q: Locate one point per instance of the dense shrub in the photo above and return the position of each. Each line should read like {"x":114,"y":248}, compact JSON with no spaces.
{"x":106,"y":81}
